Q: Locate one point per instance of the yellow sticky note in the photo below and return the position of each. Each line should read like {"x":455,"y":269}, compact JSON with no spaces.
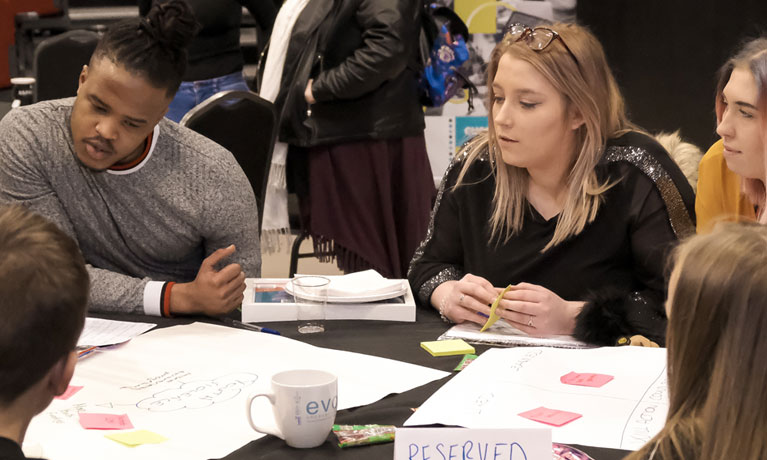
{"x":447,"y":347}
{"x":136,"y":438}
{"x":493,"y":317}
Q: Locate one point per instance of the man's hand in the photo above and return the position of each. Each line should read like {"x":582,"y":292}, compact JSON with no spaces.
{"x":212,"y":292}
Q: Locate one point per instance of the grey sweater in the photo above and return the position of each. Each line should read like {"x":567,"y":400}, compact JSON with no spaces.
{"x":137,"y":228}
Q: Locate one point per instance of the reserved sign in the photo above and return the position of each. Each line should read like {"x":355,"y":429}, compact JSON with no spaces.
{"x":472,"y":444}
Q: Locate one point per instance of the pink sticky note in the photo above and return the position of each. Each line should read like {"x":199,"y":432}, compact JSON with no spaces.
{"x":550,"y":416}
{"x":586,"y":379}
{"x":105,"y":421}
{"x":69,"y":392}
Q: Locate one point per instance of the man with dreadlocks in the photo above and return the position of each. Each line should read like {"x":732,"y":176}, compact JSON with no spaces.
{"x":165,"y":218}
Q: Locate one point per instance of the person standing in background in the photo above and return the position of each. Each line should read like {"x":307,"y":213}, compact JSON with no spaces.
{"x":344,"y":75}
{"x":215,"y":59}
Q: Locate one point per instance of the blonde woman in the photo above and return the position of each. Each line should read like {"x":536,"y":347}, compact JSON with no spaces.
{"x":717,"y":379}
{"x":561,"y":198}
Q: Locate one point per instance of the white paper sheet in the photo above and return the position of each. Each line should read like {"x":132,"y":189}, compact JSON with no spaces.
{"x":189,"y":384}
{"x":100,"y":332}
{"x":623,"y":414}
{"x":505,"y":335}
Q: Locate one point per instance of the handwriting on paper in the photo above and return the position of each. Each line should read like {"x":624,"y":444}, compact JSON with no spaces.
{"x":647,"y":415}
{"x":165,"y":377}
{"x":518,"y":365}
{"x":198,"y":394}
{"x":585,"y":379}
{"x":93,"y":421}
{"x":551,"y":417}
{"x":63,"y":415}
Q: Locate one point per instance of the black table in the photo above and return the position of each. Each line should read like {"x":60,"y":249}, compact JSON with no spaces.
{"x":393,"y":340}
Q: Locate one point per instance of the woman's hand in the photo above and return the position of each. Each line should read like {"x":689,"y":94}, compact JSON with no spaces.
{"x":538,"y":311}
{"x":468,"y":299}
{"x":308,"y":95}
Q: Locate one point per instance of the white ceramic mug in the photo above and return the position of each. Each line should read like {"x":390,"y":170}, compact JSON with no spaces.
{"x":304,"y":403}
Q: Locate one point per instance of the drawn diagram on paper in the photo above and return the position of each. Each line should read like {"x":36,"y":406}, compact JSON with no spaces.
{"x":503,"y":383}
{"x":198,"y":394}
{"x":171,"y":394}
{"x":174,"y":381}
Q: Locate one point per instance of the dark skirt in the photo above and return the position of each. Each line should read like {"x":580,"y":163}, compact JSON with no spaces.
{"x":369,"y":203}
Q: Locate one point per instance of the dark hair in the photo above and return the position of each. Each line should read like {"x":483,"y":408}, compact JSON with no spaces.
{"x":153,"y":46}
{"x":43,"y":298}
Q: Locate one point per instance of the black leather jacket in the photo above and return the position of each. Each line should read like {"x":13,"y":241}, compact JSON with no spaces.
{"x":361,"y":55}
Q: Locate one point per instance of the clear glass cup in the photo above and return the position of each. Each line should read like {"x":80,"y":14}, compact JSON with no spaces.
{"x":311,"y":295}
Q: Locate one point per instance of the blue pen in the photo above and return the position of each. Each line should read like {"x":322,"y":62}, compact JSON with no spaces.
{"x":253,"y":327}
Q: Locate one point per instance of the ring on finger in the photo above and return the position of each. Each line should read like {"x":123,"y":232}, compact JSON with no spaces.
{"x":530,"y":321}
{"x":460,"y":299}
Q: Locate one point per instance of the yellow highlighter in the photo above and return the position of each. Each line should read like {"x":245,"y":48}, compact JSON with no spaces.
{"x":493,"y":317}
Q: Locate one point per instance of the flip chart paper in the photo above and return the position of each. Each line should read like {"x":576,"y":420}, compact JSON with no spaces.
{"x":91,"y":421}
{"x":190,"y":383}
{"x":102,"y":332}
{"x":624,"y":414}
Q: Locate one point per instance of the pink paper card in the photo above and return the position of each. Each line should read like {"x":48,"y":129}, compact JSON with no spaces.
{"x":105,"y":421}
{"x":550,"y":416}
{"x":69,"y":392}
{"x":585,"y":379}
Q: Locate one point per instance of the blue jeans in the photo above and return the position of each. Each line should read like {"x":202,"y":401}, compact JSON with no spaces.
{"x":191,"y":93}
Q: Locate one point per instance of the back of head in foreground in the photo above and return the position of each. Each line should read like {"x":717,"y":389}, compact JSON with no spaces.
{"x":717,"y":378}
{"x":43,"y":299}
{"x":574,"y":63}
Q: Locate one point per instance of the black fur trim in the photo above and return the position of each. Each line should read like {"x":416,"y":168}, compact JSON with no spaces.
{"x":604,"y":318}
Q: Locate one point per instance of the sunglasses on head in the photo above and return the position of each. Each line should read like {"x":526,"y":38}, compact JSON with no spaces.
{"x":536,"y":38}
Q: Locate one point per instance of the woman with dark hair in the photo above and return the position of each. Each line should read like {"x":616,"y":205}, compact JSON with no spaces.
{"x":562,"y":198}
{"x":717,"y":379}
{"x":731,"y":182}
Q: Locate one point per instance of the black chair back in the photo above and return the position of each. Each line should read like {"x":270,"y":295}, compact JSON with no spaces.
{"x":58,"y":61}
{"x":246,"y":125}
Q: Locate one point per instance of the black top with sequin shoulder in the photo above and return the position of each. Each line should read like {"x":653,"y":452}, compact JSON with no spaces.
{"x":616,"y":264}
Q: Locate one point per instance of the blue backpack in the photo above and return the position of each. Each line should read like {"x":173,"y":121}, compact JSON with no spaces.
{"x":442,"y":51}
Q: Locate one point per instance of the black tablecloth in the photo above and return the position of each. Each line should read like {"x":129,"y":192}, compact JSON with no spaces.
{"x":394,"y":340}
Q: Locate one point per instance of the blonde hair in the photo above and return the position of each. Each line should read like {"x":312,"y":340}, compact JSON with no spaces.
{"x":717,"y":380}
{"x":589,"y":86}
{"x":752,"y":56}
